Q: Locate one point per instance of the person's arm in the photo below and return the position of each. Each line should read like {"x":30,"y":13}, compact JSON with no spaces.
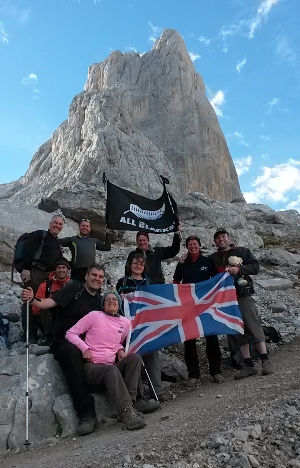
{"x":82,"y":326}
{"x":250,"y":265}
{"x":65,"y":242}
{"x":104,"y":246}
{"x":177,"y":277}
{"x":172,"y":250}
{"x":28,"y":295}
{"x":40,"y":294}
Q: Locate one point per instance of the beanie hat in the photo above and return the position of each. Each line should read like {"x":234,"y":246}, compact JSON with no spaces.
{"x":142,"y":233}
{"x":196,"y":238}
{"x":220,"y":231}
{"x":62,"y":261}
{"x":115,"y":294}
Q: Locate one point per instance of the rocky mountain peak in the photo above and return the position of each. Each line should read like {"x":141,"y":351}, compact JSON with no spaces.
{"x":139,"y":116}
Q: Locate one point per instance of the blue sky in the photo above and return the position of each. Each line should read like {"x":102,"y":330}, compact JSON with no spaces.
{"x":247,"y":52}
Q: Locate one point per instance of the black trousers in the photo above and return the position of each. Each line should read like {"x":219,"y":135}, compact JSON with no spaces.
{"x":72,"y":364}
{"x":213,"y":354}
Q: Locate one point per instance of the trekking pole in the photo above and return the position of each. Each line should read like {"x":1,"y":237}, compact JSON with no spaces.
{"x":150,"y":382}
{"x":27,"y":443}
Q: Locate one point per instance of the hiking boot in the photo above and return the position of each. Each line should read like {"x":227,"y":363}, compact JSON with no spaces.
{"x":267,"y":368}
{"x":191,"y":383}
{"x":45,"y":342}
{"x":162,"y":397}
{"x":131,"y":420}
{"x":87,"y":424}
{"x":146,"y":406}
{"x":218,"y":378}
{"x":245,"y":372}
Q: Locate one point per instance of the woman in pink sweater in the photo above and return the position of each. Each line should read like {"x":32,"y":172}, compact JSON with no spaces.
{"x":108,"y":367}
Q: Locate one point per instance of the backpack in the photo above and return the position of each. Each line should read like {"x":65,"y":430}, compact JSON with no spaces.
{"x":272,"y":335}
{"x":4,"y":329}
{"x":19,"y":249}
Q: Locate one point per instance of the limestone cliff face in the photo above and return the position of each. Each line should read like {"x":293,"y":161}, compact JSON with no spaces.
{"x":138,"y":117}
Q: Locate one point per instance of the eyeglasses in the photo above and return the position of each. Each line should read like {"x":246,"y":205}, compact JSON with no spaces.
{"x":114,"y":299}
{"x":86,"y":220}
{"x":142,"y":263}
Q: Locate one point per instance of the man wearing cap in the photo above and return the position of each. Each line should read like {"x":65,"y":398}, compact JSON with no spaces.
{"x":40,"y":253}
{"x":154,"y":256}
{"x":83,"y":249}
{"x":45,"y":317}
{"x":253,"y":332}
{"x":193,"y":269}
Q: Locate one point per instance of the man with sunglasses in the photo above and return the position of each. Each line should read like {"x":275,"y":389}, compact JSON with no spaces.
{"x":83,"y":249}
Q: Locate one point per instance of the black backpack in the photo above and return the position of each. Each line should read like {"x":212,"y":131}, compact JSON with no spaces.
{"x":19,"y":249}
{"x":272,"y":335}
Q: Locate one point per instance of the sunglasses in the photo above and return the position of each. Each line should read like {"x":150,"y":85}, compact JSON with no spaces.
{"x":86,"y":220}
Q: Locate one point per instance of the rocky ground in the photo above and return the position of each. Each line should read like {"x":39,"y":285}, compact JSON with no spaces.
{"x":250,"y":423}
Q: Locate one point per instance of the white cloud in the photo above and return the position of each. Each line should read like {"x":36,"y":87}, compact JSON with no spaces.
{"x":261,"y":15}
{"x":242,"y":164}
{"x":264,"y":137}
{"x":272,"y":104}
{"x":30,"y":80}
{"x":156,"y":31}
{"x":130,"y":49}
{"x":217,"y":101}
{"x":240,"y":65}
{"x":240,"y":138}
{"x":276,"y":183}
{"x":3,"y":34}
{"x":284,"y":51}
{"x":194,"y":56}
{"x":204,"y":41}
{"x":248,"y":26}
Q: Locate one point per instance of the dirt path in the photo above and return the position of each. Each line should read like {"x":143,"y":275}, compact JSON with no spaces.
{"x":174,"y":431}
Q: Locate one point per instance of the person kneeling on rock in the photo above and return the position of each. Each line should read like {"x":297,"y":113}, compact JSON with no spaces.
{"x":107,"y":365}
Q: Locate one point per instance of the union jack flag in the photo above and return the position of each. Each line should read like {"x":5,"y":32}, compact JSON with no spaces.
{"x":165,"y":314}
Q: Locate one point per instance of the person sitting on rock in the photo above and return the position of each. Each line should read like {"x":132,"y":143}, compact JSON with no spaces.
{"x":83,"y":249}
{"x":45,"y":317}
{"x":253,"y":332}
{"x":107,"y":365}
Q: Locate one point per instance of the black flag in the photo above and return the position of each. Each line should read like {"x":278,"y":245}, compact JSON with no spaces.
{"x":127,"y":211}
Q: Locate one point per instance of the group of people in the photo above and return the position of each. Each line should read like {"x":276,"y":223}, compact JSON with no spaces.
{"x":87,"y":329}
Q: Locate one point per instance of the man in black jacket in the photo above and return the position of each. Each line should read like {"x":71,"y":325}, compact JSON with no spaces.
{"x":40,"y":254}
{"x":252,"y":327}
{"x":154,"y":256}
